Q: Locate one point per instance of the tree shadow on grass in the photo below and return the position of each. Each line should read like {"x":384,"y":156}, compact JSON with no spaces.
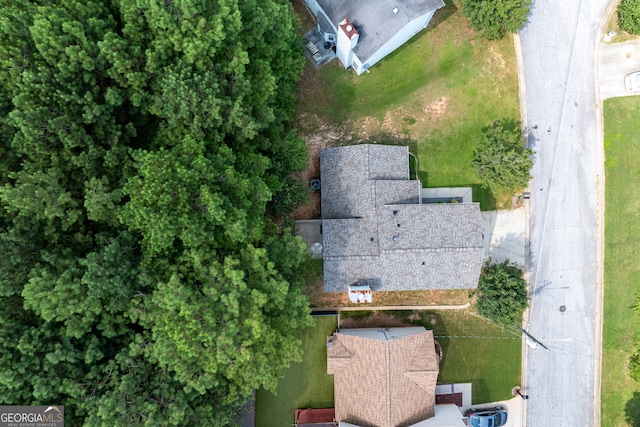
{"x":484,"y":196}
{"x":632,"y":410}
{"x":442,"y":15}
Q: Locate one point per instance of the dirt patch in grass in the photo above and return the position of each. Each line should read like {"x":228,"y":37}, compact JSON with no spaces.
{"x":321,"y":136}
{"x":434,"y":110}
{"x":377,"y":319}
{"x":320,"y":299}
{"x":304,"y":16}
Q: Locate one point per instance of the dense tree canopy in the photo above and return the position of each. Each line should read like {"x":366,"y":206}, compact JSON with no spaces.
{"x":495,"y":18}
{"x":145,"y":149}
{"x":501,"y":159}
{"x":502,"y":293}
{"x":629,"y":16}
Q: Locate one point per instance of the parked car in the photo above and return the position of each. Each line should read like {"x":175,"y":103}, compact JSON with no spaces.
{"x":632,"y":82}
{"x":486,"y":417}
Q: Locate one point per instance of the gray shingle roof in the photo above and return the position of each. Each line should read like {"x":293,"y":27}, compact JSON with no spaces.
{"x":384,"y":378}
{"x":374,"y":228}
{"x":374,"y":19}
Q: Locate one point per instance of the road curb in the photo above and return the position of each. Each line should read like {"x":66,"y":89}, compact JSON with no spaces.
{"x":523,"y":117}
{"x":521,"y":84}
{"x":600,"y":213}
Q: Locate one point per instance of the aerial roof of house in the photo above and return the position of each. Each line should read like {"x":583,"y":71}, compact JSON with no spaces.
{"x":383,"y":377}
{"x":377,"y":21}
{"x":376,"y":231}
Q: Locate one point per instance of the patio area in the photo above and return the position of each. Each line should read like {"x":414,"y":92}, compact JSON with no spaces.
{"x":315,"y":49}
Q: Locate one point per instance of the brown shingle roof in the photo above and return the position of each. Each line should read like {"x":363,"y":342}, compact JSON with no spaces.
{"x":389,"y":379}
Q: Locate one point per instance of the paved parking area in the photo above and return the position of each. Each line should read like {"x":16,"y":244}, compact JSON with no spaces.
{"x":616,"y":61}
{"x":513,"y":406}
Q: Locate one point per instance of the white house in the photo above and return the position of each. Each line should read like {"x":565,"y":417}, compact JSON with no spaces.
{"x":365,"y":31}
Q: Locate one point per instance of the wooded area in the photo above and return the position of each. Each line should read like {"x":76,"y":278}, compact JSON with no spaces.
{"x":145,"y":277}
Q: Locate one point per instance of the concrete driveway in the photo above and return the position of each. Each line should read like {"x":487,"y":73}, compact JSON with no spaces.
{"x":505,"y":235}
{"x":513,"y":407}
{"x":616,"y":61}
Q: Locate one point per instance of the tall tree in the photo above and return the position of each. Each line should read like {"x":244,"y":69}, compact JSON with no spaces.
{"x":143,"y":145}
{"x":502,"y":293}
{"x":501,"y":158}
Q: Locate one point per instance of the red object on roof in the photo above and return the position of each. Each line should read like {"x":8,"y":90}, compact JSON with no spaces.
{"x":311,"y":416}
{"x":348,"y":29}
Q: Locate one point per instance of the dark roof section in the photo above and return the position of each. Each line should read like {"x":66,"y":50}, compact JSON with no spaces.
{"x":375,"y":228}
{"x":375,"y":20}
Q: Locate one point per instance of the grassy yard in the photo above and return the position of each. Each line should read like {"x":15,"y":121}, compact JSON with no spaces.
{"x":434,"y":94}
{"x":475,"y":350}
{"x":620,"y":395}
{"x":305,"y":385}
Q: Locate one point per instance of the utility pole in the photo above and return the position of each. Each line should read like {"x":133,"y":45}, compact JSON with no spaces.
{"x":532,"y":337}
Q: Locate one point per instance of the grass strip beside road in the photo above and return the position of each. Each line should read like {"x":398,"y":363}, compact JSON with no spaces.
{"x":620,"y":394}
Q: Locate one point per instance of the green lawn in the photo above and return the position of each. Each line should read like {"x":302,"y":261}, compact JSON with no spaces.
{"x":620,"y":395}
{"x":477,"y":351}
{"x":435,"y":94}
{"x":305,"y":385}
{"x":474,"y":350}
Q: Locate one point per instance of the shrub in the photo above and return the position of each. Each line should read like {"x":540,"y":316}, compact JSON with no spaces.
{"x":502,"y":293}
{"x":500,"y":158}
{"x":494,"y":18}
{"x":629,"y":16}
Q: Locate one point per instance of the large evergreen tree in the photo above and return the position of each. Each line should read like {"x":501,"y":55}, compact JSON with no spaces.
{"x":144,"y":145}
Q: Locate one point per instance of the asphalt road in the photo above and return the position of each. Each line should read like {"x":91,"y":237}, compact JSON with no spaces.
{"x":558,"y":49}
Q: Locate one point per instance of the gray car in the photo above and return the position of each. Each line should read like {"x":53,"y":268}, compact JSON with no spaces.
{"x":486,"y":417}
